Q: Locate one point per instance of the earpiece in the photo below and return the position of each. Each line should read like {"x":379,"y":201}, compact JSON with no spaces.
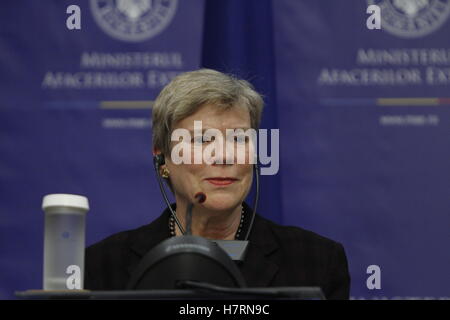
{"x":158,"y":159}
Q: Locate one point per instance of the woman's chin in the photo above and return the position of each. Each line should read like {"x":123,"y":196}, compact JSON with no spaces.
{"x":221,"y":202}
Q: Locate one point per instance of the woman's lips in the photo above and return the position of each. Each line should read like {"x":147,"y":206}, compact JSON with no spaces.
{"x":221,"y":181}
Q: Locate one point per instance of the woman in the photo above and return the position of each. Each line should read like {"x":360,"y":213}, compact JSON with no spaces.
{"x":277,"y":255}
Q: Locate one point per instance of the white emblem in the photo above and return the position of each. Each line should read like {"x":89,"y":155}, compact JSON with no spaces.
{"x":412,"y":18}
{"x":133,"y":20}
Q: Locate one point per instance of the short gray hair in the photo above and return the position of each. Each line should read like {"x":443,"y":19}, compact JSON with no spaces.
{"x":187,"y":92}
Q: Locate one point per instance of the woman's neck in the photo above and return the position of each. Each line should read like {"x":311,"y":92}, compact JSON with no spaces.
{"x":219,"y":225}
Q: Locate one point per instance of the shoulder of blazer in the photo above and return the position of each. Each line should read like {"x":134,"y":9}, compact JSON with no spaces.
{"x":302,"y":249}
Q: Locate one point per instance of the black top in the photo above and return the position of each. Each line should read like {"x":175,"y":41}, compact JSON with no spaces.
{"x":278,"y":256}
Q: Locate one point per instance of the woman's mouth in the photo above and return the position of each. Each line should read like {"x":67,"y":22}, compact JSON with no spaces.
{"x":219,"y":181}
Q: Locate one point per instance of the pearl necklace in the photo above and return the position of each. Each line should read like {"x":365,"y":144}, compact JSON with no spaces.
{"x":238,"y":233}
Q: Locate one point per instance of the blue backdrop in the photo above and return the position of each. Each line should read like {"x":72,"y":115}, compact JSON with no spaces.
{"x":363,"y":118}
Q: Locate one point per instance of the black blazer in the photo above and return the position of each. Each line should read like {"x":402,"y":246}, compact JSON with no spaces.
{"x":277,"y":256}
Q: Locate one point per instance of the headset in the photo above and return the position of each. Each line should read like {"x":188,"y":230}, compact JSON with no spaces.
{"x":159,"y":160}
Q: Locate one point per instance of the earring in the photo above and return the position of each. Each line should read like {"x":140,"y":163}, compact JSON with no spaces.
{"x":165,"y":173}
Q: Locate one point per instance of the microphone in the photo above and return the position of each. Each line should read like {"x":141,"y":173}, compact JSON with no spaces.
{"x":201,"y":197}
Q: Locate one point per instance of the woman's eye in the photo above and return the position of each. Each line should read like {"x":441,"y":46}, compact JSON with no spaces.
{"x":201,"y":139}
{"x":241,"y":138}
{"x":197,"y":140}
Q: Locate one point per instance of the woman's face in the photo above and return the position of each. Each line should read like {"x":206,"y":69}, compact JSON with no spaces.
{"x":225,"y":185}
